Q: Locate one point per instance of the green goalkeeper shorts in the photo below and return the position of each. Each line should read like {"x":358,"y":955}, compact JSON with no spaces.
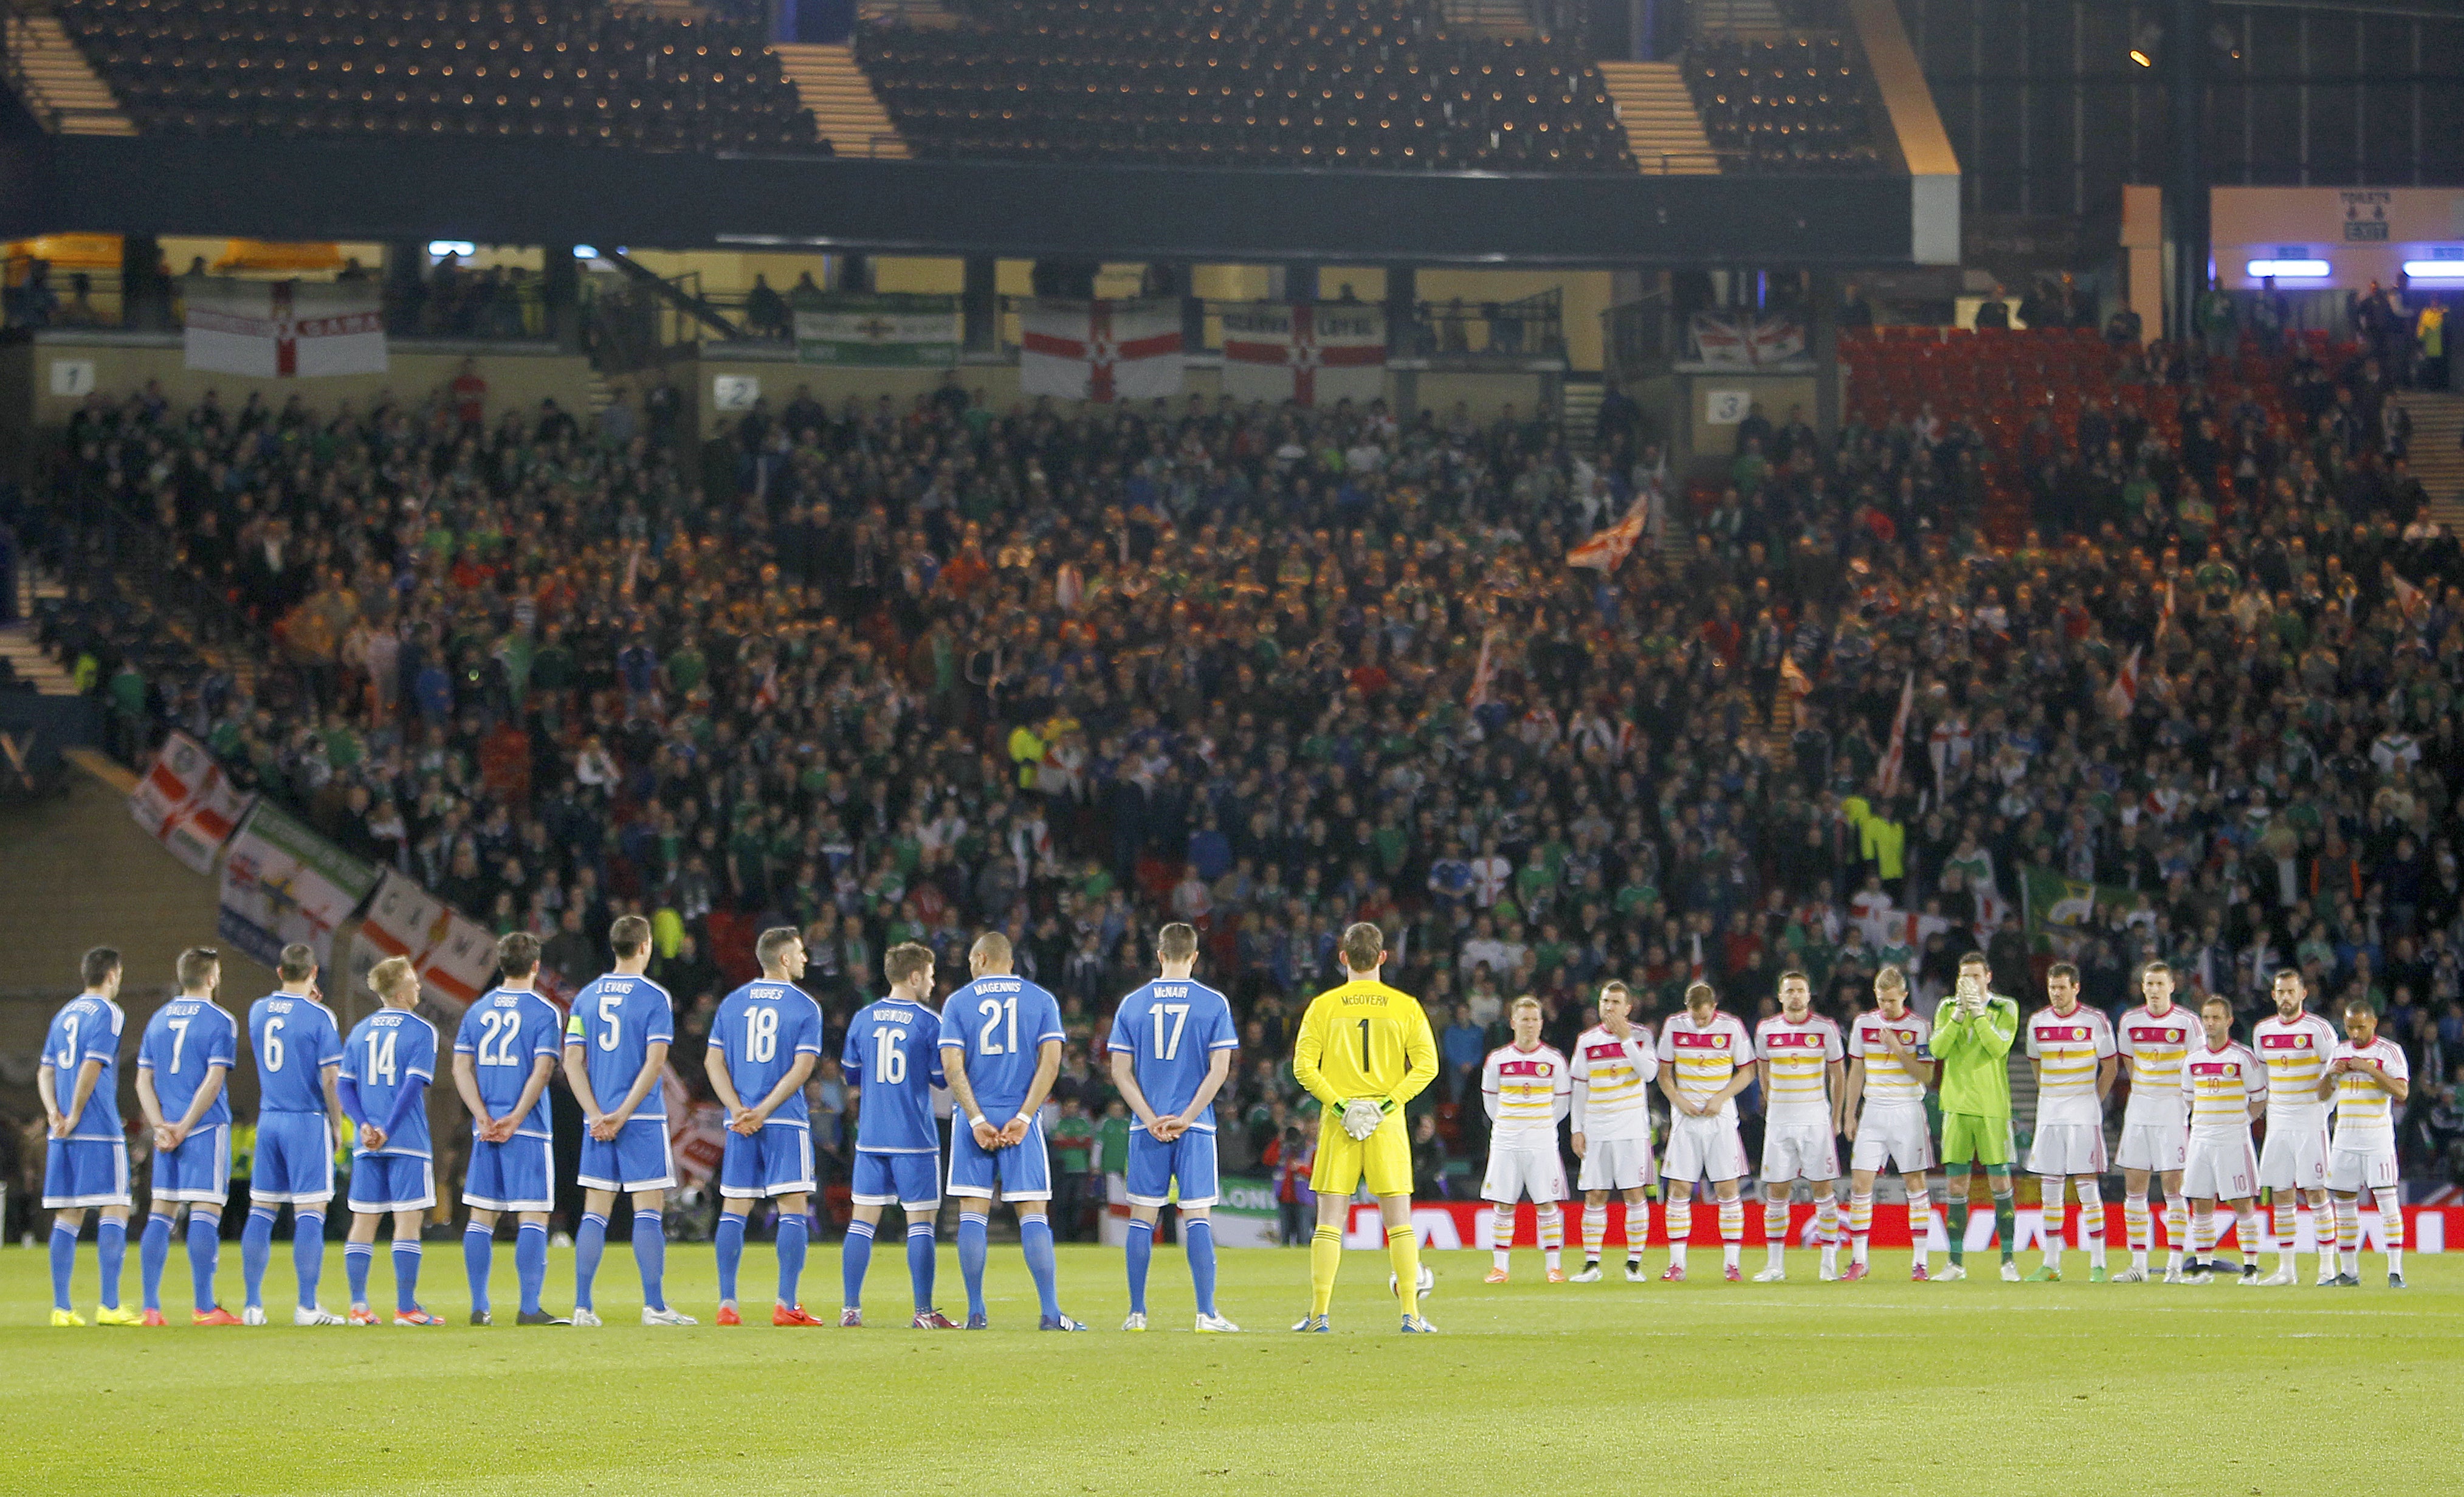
{"x":1968,"y":1138}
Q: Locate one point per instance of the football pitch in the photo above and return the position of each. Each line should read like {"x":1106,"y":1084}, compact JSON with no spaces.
{"x":1881,"y":1387}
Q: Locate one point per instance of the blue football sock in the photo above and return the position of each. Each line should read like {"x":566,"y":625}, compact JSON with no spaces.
{"x":1198,"y":1241}
{"x":307,"y":1253}
{"x":530,"y":1263}
{"x":406,"y":1276}
{"x":651,"y":1256}
{"x":256,"y":1248}
{"x":1035,"y":1240}
{"x":204,"y":1254}
{"x":591,"y":1242}
{"x":792,"y":1234}
{"x":1141,"y":1255}
{"x":919,"y":1263}
{"x":855,"y":1256}
{"x":478,"y":1258}
{"x":111,"y":1252}
{"x":63,"y":1259}
{"x":153,"y":1252}
{"x":731,"y":1252}
{"x":972,"y":1247}
{"x":357,"y":1259}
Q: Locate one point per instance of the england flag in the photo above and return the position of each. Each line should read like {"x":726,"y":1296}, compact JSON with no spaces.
{"x":281,"y":329}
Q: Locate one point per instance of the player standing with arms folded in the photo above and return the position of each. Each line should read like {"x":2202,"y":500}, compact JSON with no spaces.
{"x":1172,"y":1045}
{"x":1364,"y":1050}
{"x":2367,"y":1077}
{"x":2226,"y":1088}
{"x":2294,"y":1044}
{"x":85,"y":1163}
{"x":1972,"y":1033}
{"x":300,"y":1119}
{"x":1001,"y":1050}
{"x":388,"y":1063}
{"x":190,"y":1047}
{"x":1528,"y":1088}
{"x":508,"y":1044}
{"x":764,"y":1042}
{"x":891,"y":1062}
{"x":2153,"y":1040}
{"x":2072,"y":1049}
{"x":615,"y":1059}
{"x":1888,"y":1066}
{"x":1804,"y":1098}
{"x":1705,"y":1059}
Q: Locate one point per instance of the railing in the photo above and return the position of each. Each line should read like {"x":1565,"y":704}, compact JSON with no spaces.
{"x":1641,"y":337}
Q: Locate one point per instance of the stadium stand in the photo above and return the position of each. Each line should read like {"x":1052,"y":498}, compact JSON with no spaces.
{"x":1371,"y":84}
{"x":570,"y":70}
{"x":895,"y":673}
{"x":1799,"y":102}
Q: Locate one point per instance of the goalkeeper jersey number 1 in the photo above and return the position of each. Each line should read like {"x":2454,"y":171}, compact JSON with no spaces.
{"x":1365,"y":1039}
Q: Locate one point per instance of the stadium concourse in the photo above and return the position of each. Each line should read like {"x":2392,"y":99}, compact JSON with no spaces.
{"x":890,"y":675}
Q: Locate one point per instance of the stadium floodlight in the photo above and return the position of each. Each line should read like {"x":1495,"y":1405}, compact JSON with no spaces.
{"x":441,"y":248}
{"x":2435,"y":270}
{"x":2289,"y":270}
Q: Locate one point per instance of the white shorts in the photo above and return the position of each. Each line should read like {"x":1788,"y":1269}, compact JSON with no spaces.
{"x":1613,"y":1164}
{"x":1894,"y":1137}
{"x":2353,"y":1171}
{"x":1537,"y":1172}
{"x":1799,"y":1152}
{"x":2295,"y":1155}
{"x":1703,"y":1149}
{"x":2065,"y":1149}
{"x":2157,"y":1147}
{"x":2220,"y":1169}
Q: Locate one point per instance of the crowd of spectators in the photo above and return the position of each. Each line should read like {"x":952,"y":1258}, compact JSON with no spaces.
{"x":923,"y":671}
{"x":1370,"y":83}
{"x":581,"y":71}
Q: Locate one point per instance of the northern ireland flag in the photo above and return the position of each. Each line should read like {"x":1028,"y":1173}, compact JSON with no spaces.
{"x":1312,"y":353}
{"x":1607,"y":549}
{"x":1100,"y":350}
{"x":279,"y":329}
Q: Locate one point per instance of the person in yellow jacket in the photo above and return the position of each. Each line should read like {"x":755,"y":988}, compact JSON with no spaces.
{"x":1365,"y":1049}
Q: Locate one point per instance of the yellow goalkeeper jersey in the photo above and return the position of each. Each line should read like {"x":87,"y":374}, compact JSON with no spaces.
{"x":1365,"y":1039}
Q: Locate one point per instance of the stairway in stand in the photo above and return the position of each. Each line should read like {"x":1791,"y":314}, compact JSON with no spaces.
{"x":1731,"y":18}
{"x":64,"y":92}
{"x":2436,"y":453}
{"x":26,"y":659}
{"x":847,"y":111}
{"x":1490,"y":18}
{"x":1662,"y":127}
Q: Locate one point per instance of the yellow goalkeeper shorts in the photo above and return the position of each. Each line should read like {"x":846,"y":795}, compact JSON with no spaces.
{"x":1384,"y":1157}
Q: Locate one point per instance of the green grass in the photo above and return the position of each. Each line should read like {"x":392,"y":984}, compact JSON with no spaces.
{"x":1708,"y":1387}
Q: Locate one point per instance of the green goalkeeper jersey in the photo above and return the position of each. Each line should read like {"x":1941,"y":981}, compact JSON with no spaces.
{"x":1975,"y":1054}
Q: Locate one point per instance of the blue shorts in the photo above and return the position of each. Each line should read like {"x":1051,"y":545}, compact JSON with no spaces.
{"x":775,"y":1161}
{"x":636,"y":1159}
{"x":516,"y":1175}
{"x":1023,"y":1171}
{"x":85,"y":1172}
{"x":392,"y":1182}
{"x":913,"y":1180}
{"x":1154,"y":1165}
{"x":197,"y":1171}
{"x":295,"y":1160}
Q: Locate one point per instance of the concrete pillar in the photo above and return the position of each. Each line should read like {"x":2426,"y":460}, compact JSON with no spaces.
{"x":980,"y":306}
{"x":561,"y":289}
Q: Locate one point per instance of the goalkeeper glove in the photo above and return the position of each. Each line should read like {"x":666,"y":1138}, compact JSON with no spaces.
{"x":1362,"y":1116}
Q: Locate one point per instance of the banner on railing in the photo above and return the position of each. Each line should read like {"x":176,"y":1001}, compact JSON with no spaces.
{"x":1742,"y":341}
{"x":460,"y":964}
{"x":279,"y":329}
{"x":282,"y":883}
{"x":186,"y":803}
{"x":1312,"y":353}
{"x":1100,"y":350}
{"x":877,"y":332}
